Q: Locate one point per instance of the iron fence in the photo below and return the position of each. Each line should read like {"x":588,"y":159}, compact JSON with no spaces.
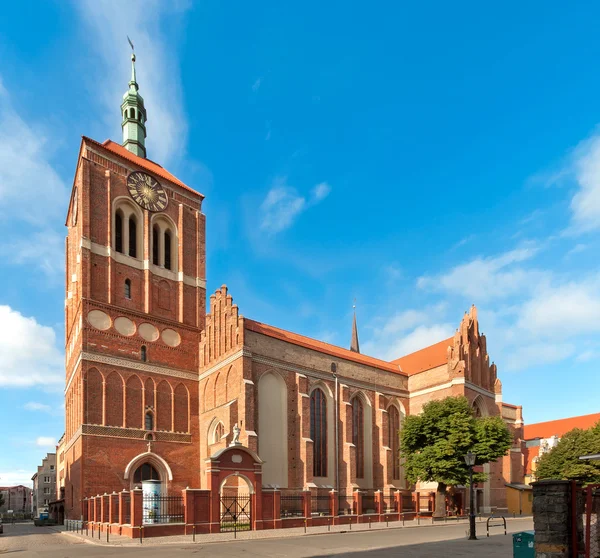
{"x":346,"y":503}
{"x":292,"y":504}
{"x":126,"y":511}
{"x":368,"y":501}
{"x":321,"y":503}
{"x":591,"y":521}
{"x":389,"y":502}
{"x":162,"y":509}
{"x":408,"y":504}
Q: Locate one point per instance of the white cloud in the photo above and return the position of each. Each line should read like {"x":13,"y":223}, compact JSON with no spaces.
{"x":45,"y":442}
{"x":585,"y":205}
{"x":256,"y":84}
{"x":30,"y":189}
{"x":536,"y":354}
{"x":157,"y":68}
{"x":34,"y":406}
{"x":487,"y":278}
{"x":283,"y":204}
{"x":44,"y":249}
{"x":15,"y":477}
{"x":405,"y":332}
{"x":564,"y":311}
{"x":29,"y":352}
{"x":321,"y":191}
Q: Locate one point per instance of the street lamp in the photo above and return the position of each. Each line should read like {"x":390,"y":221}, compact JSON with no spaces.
{"x":470,"y":461}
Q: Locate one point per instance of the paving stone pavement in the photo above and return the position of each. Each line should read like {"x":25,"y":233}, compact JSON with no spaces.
{"x":424,"y":541}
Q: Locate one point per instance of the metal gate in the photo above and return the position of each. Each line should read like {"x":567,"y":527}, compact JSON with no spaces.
{"x":591,"y":521}
{"x":236,"y":513}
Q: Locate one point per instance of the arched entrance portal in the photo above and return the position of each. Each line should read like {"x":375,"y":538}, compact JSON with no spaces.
{"x":235,"y":474}
{"x":235,"y":497}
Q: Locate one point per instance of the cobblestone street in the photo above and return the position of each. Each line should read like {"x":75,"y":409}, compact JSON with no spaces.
{"x":426,"y":541}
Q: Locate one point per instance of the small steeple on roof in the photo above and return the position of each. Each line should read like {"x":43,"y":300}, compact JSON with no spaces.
{"x":134,"y":115}
{"x":354,"y":341}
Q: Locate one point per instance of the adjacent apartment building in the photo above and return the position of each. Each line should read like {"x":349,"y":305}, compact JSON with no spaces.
{"x":16,"y":499}
{"x":44,"y":484}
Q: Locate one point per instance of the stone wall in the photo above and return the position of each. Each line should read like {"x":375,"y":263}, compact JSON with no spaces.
{"x":553,"y":508}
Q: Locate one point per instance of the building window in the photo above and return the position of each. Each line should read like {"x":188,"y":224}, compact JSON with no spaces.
{"x":219,"y":432}
{"x":149,"y":422}
{"x":119,"y":232}
{"x":358,"y":436}
{"x":155,"y":245}
{"x":132,"y":236}
{"x":145,"y":472}
{"x":318,"y":432}
{"x":127,"y":288}
{"x":144,"y":353}
{"x":393,"y":440}
{"x":167,"y":250}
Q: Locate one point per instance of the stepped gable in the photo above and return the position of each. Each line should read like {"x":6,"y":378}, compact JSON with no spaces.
{"x":224,"y":327}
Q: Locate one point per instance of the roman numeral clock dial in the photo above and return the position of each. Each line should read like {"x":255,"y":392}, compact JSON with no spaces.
{"x":147,"y":191}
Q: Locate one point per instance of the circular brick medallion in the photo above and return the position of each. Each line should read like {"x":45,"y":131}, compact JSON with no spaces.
{"x":125,"y":326}
{"x":171,"y":337}
{"x":148,"y":332}
{"x":98,"y":319}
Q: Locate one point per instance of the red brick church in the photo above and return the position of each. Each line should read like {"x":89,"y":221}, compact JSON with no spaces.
{"x":157,"y":387}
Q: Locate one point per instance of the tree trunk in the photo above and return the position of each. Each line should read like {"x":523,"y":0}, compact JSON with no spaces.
{"x":440,"y":501}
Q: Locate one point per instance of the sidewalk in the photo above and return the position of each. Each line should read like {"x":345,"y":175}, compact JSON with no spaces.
{"x":119,"y":541}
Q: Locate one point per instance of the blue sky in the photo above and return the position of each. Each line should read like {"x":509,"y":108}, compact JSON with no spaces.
{"x":417,"y":158}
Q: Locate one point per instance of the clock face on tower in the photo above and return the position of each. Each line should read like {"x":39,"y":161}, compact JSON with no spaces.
{"x":147,"y":191}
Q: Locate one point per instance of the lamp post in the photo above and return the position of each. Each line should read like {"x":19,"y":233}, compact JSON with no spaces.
{"x":470,"y":461}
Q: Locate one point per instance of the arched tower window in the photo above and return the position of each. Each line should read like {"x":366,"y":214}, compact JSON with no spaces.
{"x":155,"y":234}
{"x":132,"y":236}
{"x":149,"y":421}
{"x":144,"y":353}
{"x":318,"y":432}
{"x":167,"y":250}
{"x":119,"y":231}
{"x":164,"y":242}
{"x":131,"y":113}
{"x":393,"y":440}
{"x":127,"y":288}
{"x":358,"y":435}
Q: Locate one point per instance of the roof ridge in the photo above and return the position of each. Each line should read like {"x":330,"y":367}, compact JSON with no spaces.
{"x":342,"y":352}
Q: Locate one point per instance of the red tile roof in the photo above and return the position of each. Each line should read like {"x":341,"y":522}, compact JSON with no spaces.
{"x":425,"y":359}
{"x":559,"y":427}
{"x":319,"y":346}
{"x":146,"y":164}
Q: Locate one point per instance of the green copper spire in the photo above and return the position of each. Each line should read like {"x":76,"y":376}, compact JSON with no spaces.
{"x":134,"y":116}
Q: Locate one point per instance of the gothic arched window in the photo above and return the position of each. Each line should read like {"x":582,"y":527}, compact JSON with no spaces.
{"x":127,"y":288}
{"x":318,"y":432}
{"x":155,"y":245}
{"x":149,"y":421}
{"x":132,"y":236}
{"x":145,"y":472}
{"x":131,"y":113}
{"x":143,"y":353}
{"x":219,"y":432}
{"x":167,"y":250}
{"x":358,"y":435}
{"x":119,"y":232}
{"x":393,"y":440}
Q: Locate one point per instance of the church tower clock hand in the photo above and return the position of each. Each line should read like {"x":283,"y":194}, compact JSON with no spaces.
{"x":146,"y":191}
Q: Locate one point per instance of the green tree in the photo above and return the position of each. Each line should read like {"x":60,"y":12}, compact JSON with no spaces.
{"x":562,"y":461}
{"x":434,"y":443}
{"x":1,"y":499}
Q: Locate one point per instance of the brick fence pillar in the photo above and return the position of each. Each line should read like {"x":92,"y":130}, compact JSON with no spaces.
{"x":557,"y":518}
{"x":307,"y":501}
{"x":113,"y":508}
{"x":122,"y":503}
{"x":137,"y":507}
{"x":357,"y":502}
{"x":333,"y":503}
{"x":398,"y":500}
{"x":277,"y":509}
{"x":379,"y":502}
